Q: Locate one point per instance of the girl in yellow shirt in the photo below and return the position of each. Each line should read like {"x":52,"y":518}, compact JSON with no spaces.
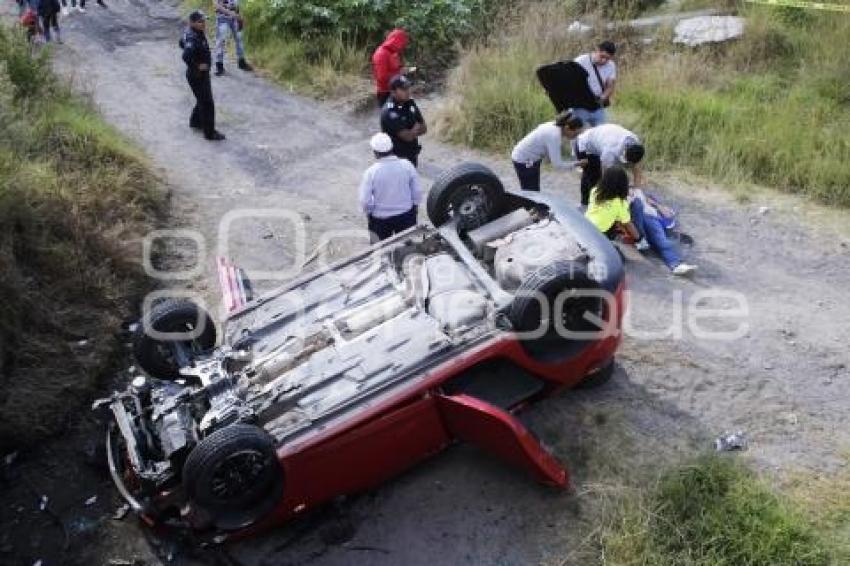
{"x":608,"y":208}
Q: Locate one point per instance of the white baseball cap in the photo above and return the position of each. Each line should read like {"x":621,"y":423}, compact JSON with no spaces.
{"x":381,"y":143}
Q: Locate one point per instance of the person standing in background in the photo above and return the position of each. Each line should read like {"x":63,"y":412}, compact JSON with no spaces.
{"x":197,"y":56}
{"x":48,"y":11}
{"x":389,"y":192}
{"x":601,"y":79}
{"x":388,"y":62}
{"x":228,"y":22}
{"x":79,"y":8}
{"x":403,"y":121}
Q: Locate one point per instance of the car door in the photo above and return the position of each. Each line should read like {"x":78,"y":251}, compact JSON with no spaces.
{"x":498,"y":432}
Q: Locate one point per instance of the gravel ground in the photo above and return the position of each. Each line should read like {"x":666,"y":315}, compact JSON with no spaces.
{"x":785,"y":381}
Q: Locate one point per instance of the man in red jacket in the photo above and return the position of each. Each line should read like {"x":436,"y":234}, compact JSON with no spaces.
{"x":387,"y":62}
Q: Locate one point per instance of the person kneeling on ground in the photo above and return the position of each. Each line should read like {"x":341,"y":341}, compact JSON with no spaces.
{"x":403,"y":121}
{"x":544,"y":141}
{"x":647,"y":218}
{"x":228,"y":22}
{"x":604,"y":146}
{"x":389,"y":192}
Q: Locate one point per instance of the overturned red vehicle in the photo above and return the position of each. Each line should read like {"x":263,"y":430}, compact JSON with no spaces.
{"x":354,"y":373}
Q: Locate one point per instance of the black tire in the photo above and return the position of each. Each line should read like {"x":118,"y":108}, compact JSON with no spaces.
{"x":471,"y":192}
{"x":234,"y":475}
{"x":598,"y":378}
{"x":156,"y":357}
{"x":527,"y":313}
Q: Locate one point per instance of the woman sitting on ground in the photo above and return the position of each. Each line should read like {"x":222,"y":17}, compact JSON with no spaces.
{"x":608,"y":210}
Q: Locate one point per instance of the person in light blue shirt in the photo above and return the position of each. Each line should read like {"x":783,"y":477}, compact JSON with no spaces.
{"x":389,"y":192}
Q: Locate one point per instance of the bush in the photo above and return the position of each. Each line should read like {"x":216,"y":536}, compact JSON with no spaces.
{"x":324,"y":47}
{"x":73,"y":196}
{"x":433,"y":24}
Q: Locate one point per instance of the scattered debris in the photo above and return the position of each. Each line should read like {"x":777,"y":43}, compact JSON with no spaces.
{"x":91,"y":501}
{"x":729,"y":442}
{"x":708,"y":29}
{"x":121,"y":512}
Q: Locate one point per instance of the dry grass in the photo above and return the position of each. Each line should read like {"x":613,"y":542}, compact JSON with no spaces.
{"x":74,"y":197}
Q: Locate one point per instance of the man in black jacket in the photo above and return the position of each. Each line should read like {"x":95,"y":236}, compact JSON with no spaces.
{"x":196,"y":55}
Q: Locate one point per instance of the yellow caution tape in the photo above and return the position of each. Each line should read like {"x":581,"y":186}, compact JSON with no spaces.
{"x":802,"y":4}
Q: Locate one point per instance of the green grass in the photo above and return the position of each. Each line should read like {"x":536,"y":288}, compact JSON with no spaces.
{"x":74,"y":197}
{"x":716,"y":512}
{"x":772,"y":108}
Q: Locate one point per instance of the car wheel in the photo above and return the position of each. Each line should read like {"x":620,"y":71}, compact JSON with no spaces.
{"x":470,"y":192}
{"x":598,"y":378}
{"x":234,"y":475}
{"x":162,"y":358}
{"x":537,"y":296}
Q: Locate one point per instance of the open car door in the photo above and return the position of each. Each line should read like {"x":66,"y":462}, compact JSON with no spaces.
{"x":501,"y":434}
{"x":566,"y":84}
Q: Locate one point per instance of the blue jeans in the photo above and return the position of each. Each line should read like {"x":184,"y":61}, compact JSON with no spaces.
{"x":650,"y":228}
{"x":223,"y":27}
{"x":591,"y":118}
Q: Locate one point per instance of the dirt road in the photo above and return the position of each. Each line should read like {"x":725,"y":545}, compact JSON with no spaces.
{"x":785,"y":382}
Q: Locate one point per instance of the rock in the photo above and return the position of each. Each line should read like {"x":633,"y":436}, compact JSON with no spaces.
{"x":729,"y":442}
{"x":578,"y":27}
{"x":708,"y":29}
{"x":121,"y":512}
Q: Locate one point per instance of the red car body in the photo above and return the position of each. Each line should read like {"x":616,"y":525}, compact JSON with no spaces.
{"x":159,"y":430}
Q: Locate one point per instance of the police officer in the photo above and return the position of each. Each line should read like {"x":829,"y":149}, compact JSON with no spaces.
{"x":196,"y":55}
{"x":402,"y":120}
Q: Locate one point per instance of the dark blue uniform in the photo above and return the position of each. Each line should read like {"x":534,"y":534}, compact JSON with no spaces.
{"x":397,"y":116}
{"x":196,"y":52}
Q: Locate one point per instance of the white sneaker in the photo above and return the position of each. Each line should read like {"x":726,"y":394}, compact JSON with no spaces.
{"x":642,"y":245}
{"x":684,"y":269}
{"x":65,"y":11}
{"x":81,"y":10}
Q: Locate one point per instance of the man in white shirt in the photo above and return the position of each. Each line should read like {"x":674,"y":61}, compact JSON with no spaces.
{"x":389,"y":192}
{"x":601,"y":78}
{"x":544,"y":141}
{"x":604,"y":146}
